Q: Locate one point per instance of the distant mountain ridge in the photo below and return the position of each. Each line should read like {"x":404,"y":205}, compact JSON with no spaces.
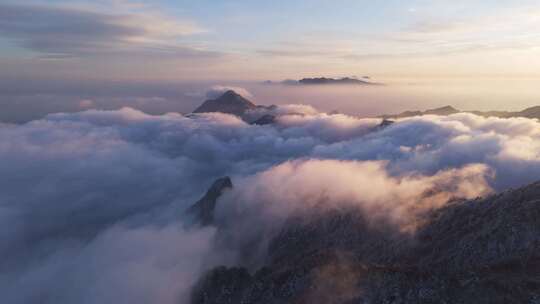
{"x":532,"y":112}
{"x":325,"y":81}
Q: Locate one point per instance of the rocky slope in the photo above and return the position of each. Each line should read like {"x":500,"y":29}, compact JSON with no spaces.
{"x":480,"y":251}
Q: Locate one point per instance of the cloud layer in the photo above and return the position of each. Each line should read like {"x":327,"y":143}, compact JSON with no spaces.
{"x":92,"y":203}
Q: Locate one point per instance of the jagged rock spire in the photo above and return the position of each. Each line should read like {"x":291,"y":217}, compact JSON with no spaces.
{"x":203,"y":209}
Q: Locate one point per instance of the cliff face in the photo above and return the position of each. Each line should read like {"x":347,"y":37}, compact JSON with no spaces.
{"x":480,"y":251}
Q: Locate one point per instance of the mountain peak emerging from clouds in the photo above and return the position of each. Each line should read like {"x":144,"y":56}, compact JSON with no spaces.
{"x":203,"y":209}
{"x":230,"y":102}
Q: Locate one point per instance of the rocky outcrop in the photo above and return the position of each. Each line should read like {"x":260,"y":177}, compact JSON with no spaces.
{"x":203,"y":209}
{"x":480,"y":251}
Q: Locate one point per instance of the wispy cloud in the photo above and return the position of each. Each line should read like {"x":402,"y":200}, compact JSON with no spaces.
{"x":70,"y":31}
{"x":424,"y":37}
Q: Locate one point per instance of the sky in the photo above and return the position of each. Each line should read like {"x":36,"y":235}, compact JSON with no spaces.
{"x":64,"y":46}
{"x":246,"y":40}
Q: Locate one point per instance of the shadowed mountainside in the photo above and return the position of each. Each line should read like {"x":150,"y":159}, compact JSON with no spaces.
{"x":479,"y":251}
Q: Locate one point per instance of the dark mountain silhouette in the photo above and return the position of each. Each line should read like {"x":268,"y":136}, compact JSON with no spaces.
{"x":479,"y":251}
{"x":230,"y":102}
{"x":233,"y":103}
{"x":325,"y":81}
{"x":203,"y":209}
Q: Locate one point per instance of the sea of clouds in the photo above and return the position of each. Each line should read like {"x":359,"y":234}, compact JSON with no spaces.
{"x":92,"y":203}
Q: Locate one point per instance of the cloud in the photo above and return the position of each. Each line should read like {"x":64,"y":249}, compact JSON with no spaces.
{"x":446,"y":142}
{"x":501,"y":30}
{"x":281,"y":110}
{"x":259,"y":206}
{"x":92,"y":200}
{"x":86,"y":104}
{"x":429,"y":34}
{"x":313,"y":45}
{"x":141,"y":265}
{"x":64,"y":32}
{"x":294,"y":52}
